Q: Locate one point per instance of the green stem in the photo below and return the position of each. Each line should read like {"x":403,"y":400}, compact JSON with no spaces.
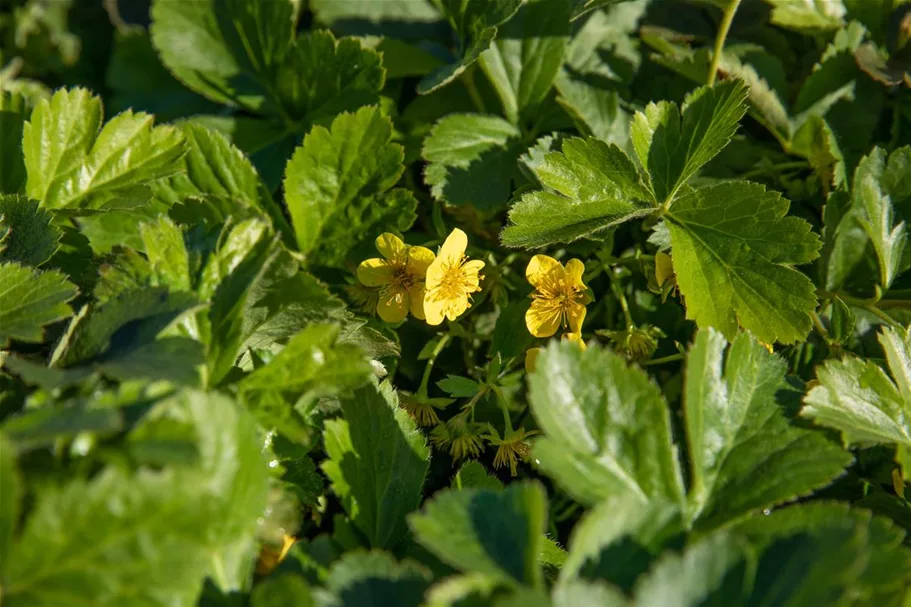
{"x":872,"y":305}
{"x":817,"y":324}
{"x":425,"y":380}
{"x":501,"y":401}
{"x":623,"y":305}
{"x":723,"y":28}
{"x":473,"y":91}
{"x":662,"y":360}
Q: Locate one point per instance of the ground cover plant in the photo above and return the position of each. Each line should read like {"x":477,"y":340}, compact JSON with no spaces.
{"x":452,"y":303}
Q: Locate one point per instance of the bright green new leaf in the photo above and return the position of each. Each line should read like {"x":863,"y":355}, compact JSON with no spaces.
{"x":874,"y":212}
{"x":26,"y":233}
{"x":808,"y":15}
{"x":497,"y":533}
{"x":377,"y":463}
{"x":527,"y":54}
{"x":745,"y":453}
{"x":167,"y":254}
{"x":74,"y":162}
{"x":149,"y":537}
{"x":856,"y":397}
{"x":472,"y":159}
{"x":227,"y":50}
{"x":375,"y":579}
{"x":606,"y":427}
{"x":339,"y":196}
{"x":29,"y":300}
{"x":733,"y":248}
{"x":672,"y":145}
{"x":596,"y":187}
{"x":14,"y":110}
{"x":475,"y":23}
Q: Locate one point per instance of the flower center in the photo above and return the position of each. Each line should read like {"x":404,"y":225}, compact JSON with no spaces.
{"x":454,"y":282}
{"x":402,"y":279}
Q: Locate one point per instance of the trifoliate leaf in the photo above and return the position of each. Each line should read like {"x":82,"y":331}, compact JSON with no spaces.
{"x":672,"y":145}
{"x":377,"y":463}
{"x":475,"y":23}
{"x":524,"y":59}
{"x":339,"y":196}
{"x":856,"y":396}
{"x":148,"y":537}
{"x":227,"y":51}
{"x":874,"y":212}
{"x":808,"y":15}
{"x":733,"y":247}
{"x":606,"y":427}
{"x":26,"y":233}
{"x":375,"y":579}
{"x":746,"y":454}
{"x":14,"y":111}
{"x":29,"y":300}
{"x":74,"y":162}
{"x":214,"y":168}
{"x":596,"y":187}
{"x":497,"y":533}
{"x":472,"y":159}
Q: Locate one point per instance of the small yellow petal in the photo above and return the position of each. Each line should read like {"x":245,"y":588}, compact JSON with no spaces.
{"x":416,"y":293}
{"x":531,"y":359}
{"x":375,"y":272}
{"x":472,"y":267}
{"x":454,"y":247}
{"x":542,"y":318}
{"x":575,"y":338}
{"x":419,"y":259}
{"x":393,"y":305}
{"x":456,"y":306}
{"x":664,"y":268}
{"x":391,"y":247}
{"x":433,"y":310}
{"x":576,"y":315}
{"x":541,"y":267}
{"x":574,"y":271}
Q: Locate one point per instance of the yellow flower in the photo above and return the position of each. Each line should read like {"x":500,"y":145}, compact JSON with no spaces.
{"x":451,"y":279}
{"x":399,"y":276}
{"x":511,"y":448}
{"x":560,"y":296}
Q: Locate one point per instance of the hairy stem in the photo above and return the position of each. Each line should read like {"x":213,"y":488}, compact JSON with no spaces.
{"x":723,"y":28}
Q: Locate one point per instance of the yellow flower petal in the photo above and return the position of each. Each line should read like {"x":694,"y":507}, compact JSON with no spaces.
{"x":454,"y":247}
{"x":375,"y":272}
{"x":574,"y":271}
{"x":543,"y":318}
{"x":531,"y":359}
{"x":575,"y":313}
{"x":456,"y":306}
{"x":433,"y":310}
{"x":393,"y":305}
{"x":664,"y":268}
{"x":575,"y":338}
{"x":391,"y":247}
{"x":416,"y":293}
{"x":472,"y":267}
{"x":419,"y":259}
{"x":540,"y":268}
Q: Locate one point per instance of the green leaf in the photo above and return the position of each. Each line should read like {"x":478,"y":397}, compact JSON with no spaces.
{"x":475,"y":23}
{"x":285,"y":590}
{"x":228,"y":51}
{"x":459,"y":387}
{"x":26,"y":233}
{"x":497,"y":533}
{"x":215,"y":168}
{"x":73,"y":162}
{"x":673,"y":145}
{"x":168,"y":258}
{"x":375,"y":579}
{"x":732,"y":247}
{"x":312,"y":365}
{"x":594,"y":107}
{"x":29,"y":300}
{"x":606,"y":427}
{"x":92,"y":331}
{"x":473,"y":475}
{"x":148,"y":537}
{"x":472,"y":159}
{"x":174,"y":359}
{"x":336,"y":14}
{"x":337,"y":195}
{"x":527,"y":54}
{"x":596,"y":187}
{"x":42,"y":427}
{"x":809,"y":15}
{"x":11,"y":490}
{"x":874,"y":211}
{"x":582,"y":7}
{"x":745,"y":452}
{"x":856,"y":396}
{"x":377,"y":463}
{"x":14,"y":110}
